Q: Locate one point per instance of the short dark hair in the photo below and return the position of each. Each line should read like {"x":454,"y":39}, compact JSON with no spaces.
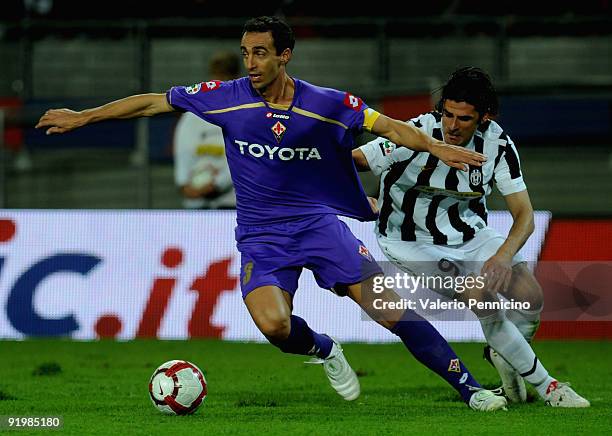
{"x":471,"y":85}
{"x":281,"y":32}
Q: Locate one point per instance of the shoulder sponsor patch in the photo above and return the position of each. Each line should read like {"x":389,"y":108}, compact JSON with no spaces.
{"x":211,"y":85}
{"x":203,"y":87}
{"x":352,"y":102}
{"x":193,"y":89}
{"x":387,"y":147}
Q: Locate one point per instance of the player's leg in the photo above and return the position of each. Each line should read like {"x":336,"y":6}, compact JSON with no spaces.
{"x":342,"y":263}
{"x":426,"y":344}
{"x":524,"y":287}
{"x":503,"y":339}
{"x":270,"y":307}
{"x":271,"y":264}
{"x":504,"y":336}
{"x":269,"y":274}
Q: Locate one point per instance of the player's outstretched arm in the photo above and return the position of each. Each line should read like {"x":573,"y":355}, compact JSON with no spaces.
{"x":143,"y":105}
{"x":406,"y":135}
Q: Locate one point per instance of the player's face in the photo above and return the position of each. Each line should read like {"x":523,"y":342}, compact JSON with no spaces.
{"x":260,"y":59}
{"x":459,"y":122}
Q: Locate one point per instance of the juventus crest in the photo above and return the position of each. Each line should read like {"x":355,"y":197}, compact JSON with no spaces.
{"x":475,"y":177}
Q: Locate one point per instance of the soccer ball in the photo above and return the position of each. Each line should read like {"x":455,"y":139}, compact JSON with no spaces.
{"x":177,"y":387}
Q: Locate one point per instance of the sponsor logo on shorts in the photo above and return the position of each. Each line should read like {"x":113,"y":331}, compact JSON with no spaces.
{"x":248,"y":270}
{"x":454,"y":366}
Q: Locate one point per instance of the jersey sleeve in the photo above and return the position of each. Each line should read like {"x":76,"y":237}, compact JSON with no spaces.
{"x":382,"y":153}
{"x":378,"y":154}
{"x":508,"y":174}
{"x":200,"y":99}
{"x":354,"y":113}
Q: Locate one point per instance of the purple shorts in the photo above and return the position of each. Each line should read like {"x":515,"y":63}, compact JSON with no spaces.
{"x":275,"y":254}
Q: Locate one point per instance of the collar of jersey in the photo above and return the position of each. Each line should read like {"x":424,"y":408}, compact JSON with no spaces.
{"x":273,"y":106}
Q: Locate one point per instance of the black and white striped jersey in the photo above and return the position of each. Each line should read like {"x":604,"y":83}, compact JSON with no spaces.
{"x":422,"y":199}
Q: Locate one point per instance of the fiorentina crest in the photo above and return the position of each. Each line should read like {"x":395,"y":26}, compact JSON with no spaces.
{"x":365,"y":252}
{"x":279,"y":130}
{"x":454,"y":366}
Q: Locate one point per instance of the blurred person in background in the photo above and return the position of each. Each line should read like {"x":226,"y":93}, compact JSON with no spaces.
{"x":433,"y":221}
{"x":288,"y":145}
{"x":200,"y":166}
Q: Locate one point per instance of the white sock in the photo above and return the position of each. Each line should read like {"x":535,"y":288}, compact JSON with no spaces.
{"x":505,"y":338}
{"x":542,"y":388}
{"x":526,"y":321}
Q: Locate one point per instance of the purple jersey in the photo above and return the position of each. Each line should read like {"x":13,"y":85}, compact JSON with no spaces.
{"x":286,"y":163}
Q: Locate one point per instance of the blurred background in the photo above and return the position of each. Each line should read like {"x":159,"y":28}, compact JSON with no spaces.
{"x":552,"y":65}
{"x":95,"y":242}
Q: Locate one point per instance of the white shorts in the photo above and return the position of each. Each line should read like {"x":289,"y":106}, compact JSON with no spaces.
{"x":422,"y":258}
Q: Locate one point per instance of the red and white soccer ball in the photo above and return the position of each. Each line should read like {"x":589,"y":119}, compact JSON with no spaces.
{"x":177,"y":387}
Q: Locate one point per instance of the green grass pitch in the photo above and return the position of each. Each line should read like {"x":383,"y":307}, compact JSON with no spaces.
{"x":101,"y":388}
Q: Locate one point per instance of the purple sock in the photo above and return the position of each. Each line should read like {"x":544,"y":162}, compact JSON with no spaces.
{"x":432,"y":350}
{"x":303,"y":340}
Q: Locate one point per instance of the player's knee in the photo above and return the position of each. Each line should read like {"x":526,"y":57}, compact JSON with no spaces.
{"x":479,"y":294}
{"x":534,"y":296}
{"x":275,"y":328}
{"x":526,"y":289}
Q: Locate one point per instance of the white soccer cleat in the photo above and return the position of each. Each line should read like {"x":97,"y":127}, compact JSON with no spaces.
{"x":512,"y":382}
{"x":340,"y":374}
{"x":561,"y":395}
{"x":484,"y":400}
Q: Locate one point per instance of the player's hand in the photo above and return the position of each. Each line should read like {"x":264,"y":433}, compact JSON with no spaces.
{"x":209,"y":191}
{"x":374,"y":205}
{"x":455,"y":156}
{"x":498,"y":272}
{"x":60,"y":121}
